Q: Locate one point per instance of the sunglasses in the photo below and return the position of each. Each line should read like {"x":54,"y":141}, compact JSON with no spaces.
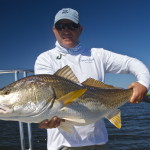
{"x":70,"y":26}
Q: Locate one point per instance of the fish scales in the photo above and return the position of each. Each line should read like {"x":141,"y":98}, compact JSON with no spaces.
{"x":109,"y":97}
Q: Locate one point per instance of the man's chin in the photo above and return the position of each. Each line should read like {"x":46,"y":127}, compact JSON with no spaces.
{"x":68,"y":44}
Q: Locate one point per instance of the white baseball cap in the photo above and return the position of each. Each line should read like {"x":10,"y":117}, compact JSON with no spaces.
{"x":67,"y":13}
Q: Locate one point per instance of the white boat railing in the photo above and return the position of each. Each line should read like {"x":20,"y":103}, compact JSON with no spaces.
{"x":21,"y":129}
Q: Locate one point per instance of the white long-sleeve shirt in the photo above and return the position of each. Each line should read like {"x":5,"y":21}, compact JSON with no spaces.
{"x":85,"y":63}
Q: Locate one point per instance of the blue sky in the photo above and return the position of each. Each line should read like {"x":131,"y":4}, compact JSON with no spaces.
{"x":122,"y":26}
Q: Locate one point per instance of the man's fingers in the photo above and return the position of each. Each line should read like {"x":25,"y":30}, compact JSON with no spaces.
{"x":139,"y":91}
{"x":53,"y":123}
{"x":135,"y":99}
{"x":43,"y":124}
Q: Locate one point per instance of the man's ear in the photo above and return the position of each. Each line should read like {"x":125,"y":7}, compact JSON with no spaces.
{"x":54,"y":30}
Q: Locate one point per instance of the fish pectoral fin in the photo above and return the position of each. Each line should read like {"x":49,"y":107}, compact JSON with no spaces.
{"x":66,"y":126}
{"x":70,"y":97}
{"x":115,"y":118}
{"x":74,"y":120}
{"x":69,"y":124}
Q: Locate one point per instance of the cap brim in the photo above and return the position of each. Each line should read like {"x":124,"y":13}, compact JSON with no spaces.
{"x":68,"y":18}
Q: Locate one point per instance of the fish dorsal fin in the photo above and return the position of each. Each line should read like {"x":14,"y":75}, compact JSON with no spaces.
{"x":115,"y":118}
{"x":67,"y":73}
{"x":95,"y":83}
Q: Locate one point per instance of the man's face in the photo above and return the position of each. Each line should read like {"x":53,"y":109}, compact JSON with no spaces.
{"x":66,"y":37}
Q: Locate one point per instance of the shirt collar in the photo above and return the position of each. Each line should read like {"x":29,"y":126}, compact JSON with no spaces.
{"x":73,"y":51}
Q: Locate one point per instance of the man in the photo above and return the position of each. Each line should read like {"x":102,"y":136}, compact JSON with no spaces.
{"x":85,"y":63}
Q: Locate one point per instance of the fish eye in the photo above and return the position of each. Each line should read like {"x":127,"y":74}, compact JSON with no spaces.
{"x":6,"y":92}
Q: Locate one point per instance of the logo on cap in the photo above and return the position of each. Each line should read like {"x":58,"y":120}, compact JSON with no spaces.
{"x":65,"y":11}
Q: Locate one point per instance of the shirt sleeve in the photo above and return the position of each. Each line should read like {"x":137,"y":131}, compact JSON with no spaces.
{"x":116,"y":63}
{"x":43,"y":65}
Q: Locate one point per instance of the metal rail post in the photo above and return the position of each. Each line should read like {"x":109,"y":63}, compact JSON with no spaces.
{"x":29,"y":125}
{"x":22,"y":140}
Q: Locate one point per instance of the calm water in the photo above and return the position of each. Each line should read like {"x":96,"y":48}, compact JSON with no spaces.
{"x":134,"y":134}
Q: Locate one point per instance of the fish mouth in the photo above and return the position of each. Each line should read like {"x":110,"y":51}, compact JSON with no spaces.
{"x":5,"y":109}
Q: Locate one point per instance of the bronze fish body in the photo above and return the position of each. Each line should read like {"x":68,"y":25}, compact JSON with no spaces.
{"x":39,"y":97}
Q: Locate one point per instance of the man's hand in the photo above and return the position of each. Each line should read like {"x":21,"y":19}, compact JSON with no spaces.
{"x":53,"y":123}
{"x":139,"y":91}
